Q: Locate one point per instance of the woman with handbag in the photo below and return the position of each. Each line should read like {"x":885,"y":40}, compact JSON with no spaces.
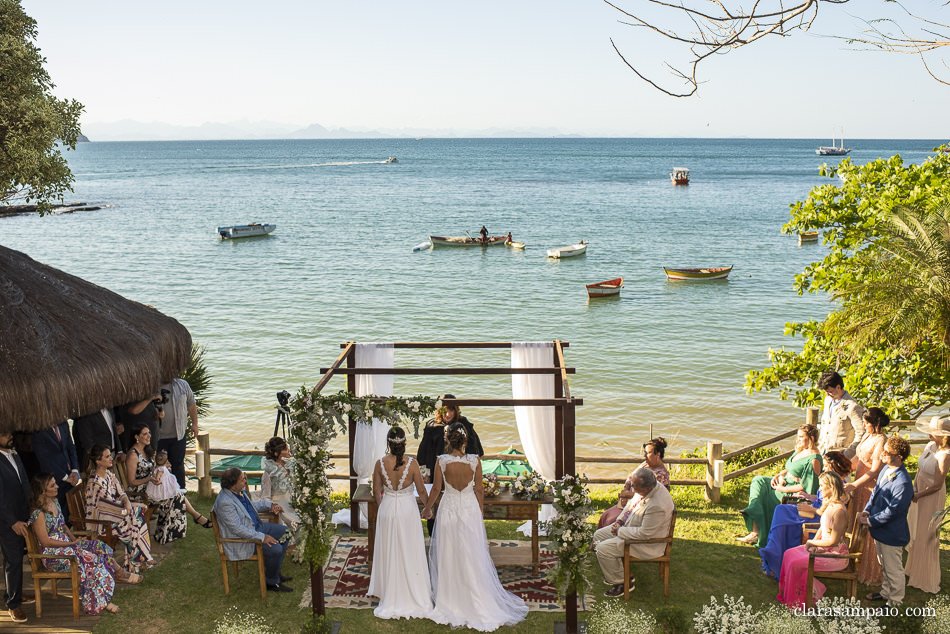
{"x":105,"y":500}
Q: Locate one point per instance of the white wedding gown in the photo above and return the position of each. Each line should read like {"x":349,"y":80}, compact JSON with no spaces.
{"x":465,"y":584}
{"x":400,"y":577}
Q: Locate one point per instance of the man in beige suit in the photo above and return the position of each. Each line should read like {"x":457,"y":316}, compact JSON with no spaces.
{"x":649,"y":519}
{"x":842,"y":417}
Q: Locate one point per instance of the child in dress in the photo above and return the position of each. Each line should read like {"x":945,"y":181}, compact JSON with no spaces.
{"x":163,"y":484}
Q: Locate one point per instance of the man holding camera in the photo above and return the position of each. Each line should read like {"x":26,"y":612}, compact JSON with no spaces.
{"x":173,"y":426}
{"x":146,"y":412}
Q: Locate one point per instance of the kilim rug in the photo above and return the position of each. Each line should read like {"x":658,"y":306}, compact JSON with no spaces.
{"x":346,"y":577}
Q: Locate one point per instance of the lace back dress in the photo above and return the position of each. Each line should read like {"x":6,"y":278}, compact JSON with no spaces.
{"x":465,"y":585}
{"x":400,"y":577}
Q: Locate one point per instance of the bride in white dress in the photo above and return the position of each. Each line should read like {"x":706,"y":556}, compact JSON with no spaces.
{"x":465,"y":586}
{"x":400,"y":577}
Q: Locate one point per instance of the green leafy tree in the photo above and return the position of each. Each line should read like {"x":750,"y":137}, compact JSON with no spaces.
{"x":34,"y":124}
{"x":199,"y":379}
{"x":882,"y":223}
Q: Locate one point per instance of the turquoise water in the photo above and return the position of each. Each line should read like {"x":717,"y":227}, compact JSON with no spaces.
{"x":272,"y":311}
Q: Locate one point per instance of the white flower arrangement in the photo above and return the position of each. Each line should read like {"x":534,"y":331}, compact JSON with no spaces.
{"x":612,"y":617}
{"x":528,"y":485}
{"x":833,"y":617}
{"x":571,"y":536}
{"x":940,"y":621}
{"x":315,"y":421}
{"x":491,"y":485}
{"x":237,"y":622}
{"x":733,"y":615}
{"x":778,"y":619}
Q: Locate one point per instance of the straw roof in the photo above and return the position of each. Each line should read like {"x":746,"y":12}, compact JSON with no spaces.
{"x":69,"y":347}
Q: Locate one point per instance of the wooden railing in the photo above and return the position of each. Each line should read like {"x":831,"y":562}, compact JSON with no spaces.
{"x":714,"y":460}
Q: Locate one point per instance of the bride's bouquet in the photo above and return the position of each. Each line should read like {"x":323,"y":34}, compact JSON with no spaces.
{"x":528,"y":485}
{"x":491,"y":485}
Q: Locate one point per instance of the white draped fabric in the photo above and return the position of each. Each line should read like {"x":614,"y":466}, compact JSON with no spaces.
{"x":535,"y":423}
{"x":370,"y":441}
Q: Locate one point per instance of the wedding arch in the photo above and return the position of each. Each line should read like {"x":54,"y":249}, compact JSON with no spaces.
{"x":541,"y":397}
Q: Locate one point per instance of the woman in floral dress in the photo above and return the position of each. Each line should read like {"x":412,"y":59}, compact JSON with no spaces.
{"x":277,"y":483}
{"x":96,"y":566}
{"x":132,"y":530}
{"x":171,"y":524}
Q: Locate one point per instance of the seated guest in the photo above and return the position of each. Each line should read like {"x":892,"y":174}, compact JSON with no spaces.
{"x":105,"y":499}
{"x":277,"y":483}
{"x":800,"y":475}
{"x":786,"y":530}
{"x":830,"y":539}
{"x":237,"y":518}
{"x":649,"y":520}
{"x":96,"y":566}
{"x":653,"y":453}
{"x":610,"y":515}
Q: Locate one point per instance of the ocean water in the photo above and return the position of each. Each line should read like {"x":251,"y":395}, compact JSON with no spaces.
{"x":272,"y":311}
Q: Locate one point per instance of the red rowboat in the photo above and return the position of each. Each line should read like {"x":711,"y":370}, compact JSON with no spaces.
{"x":605,"y":289}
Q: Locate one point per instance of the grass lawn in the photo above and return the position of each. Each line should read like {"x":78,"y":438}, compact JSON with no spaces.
{"x":185,"y":592}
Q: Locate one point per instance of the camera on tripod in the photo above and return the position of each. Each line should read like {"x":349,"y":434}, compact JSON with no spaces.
{"x":283,"y":397}
{"x":283,"y":411}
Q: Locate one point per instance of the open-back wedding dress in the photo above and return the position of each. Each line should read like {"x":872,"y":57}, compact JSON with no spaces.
{"x":465,"y":584}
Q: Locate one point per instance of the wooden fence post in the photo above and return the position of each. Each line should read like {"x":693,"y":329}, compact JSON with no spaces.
{"x":811,"y":416}
{"x":204,"y":483}
{"x":713,"y":454}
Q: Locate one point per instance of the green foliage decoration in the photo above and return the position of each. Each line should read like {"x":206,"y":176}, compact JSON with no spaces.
{"x":33,"y":123}
{"x":199,"y":379}
{"x":316,"y":419}
{"x":879,"y":277}
{"x":572,"y":534}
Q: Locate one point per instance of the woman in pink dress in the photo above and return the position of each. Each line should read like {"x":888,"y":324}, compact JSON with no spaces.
{"x":867,"y":464}
{"x":829,"y":539}
{"x":930,"y":496}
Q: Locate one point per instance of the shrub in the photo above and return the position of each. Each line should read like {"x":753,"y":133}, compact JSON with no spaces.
{"x":611,"y":617}
{"x":732,"y":615}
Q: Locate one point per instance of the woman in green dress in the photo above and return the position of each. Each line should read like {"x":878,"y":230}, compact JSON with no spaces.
{"x":799,"y":475}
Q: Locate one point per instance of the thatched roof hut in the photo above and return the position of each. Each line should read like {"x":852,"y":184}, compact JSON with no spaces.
{"x":69,"y":347}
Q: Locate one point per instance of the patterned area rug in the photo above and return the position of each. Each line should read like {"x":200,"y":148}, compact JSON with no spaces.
{"x":346,"y":578}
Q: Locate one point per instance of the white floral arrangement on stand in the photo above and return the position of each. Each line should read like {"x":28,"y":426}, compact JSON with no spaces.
{"x":571,"y":535}
{"x":530,"y":485}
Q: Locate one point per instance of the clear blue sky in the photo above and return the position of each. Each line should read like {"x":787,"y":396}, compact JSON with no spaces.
{"x":425,"y":64}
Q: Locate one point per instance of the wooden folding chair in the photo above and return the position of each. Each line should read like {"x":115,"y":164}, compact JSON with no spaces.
{"x":41,"y":573}
{"x":76,"y":500}
{"x":663,"y":560}
{"x":857,"y":538}
{"x":258,"y":556}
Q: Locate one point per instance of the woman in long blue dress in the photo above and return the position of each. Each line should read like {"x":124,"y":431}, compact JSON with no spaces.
{"x":96,"y":566}
{"x":799,"y":475}
{"x":786,"y":530}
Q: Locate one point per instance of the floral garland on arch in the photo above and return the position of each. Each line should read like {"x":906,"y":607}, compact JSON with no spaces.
{"x":316,"y":419}
{"x":572,"y":534}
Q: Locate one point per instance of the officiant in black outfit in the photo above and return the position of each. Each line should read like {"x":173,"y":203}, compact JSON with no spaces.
{"x":432,"y":444}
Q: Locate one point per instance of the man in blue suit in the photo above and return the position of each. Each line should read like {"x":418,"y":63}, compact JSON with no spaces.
{"x":56,"y":454}
{"x":237,"y":517}
{"x":886,"y":517}
{"x":14,"y":513}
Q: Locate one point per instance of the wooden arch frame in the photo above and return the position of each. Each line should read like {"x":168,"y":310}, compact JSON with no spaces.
{"x":563,"y":402}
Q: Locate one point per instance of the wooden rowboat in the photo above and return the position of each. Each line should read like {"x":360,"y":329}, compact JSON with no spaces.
{"x":245,"y":231}
{"x":466,"y":241}
{"x":719,"y":273}
{"x":604,"y":289}
{"x":808,"y":236}
{"x":569,"y":251}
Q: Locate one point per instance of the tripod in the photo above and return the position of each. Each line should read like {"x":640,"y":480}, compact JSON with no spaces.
{"x":283,"y":413}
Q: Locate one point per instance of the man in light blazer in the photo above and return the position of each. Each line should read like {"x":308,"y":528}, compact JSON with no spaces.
{"x":237,"y":518}
{"x":886,"y":517}
{"x":842,"y":417}
{"x":649,"y":519}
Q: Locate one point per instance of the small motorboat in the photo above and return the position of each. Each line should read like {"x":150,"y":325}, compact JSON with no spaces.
{"x":605,"y":289}
{"x":680,"y":176}
{"x":515,"y":245}
{"x":392,"y":159}
{"x":808,"y":236}
{"x":422,"y":246}
{"x":245,"y":231}
{"x":569,"y":251}
{"x":691,"y":275}
{"x":467,"y":241}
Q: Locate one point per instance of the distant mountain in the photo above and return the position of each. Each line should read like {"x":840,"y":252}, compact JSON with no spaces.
{"x":129,"y":130}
